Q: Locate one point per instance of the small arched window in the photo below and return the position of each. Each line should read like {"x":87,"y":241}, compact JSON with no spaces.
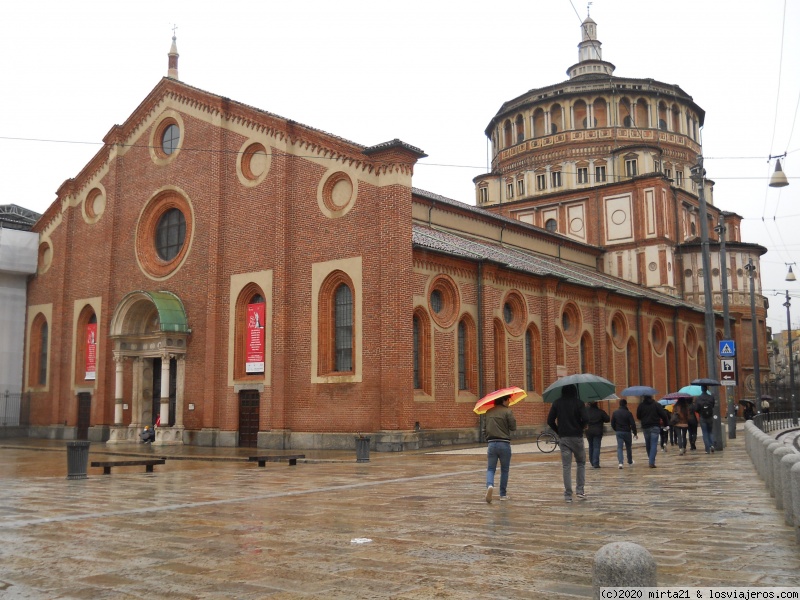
{"x":422,"y":352}
{"x":39,"y":341}
{"x":343,"y":332}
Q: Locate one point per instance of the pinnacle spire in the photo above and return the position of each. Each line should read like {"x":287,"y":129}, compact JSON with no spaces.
{"x":172,"y":68}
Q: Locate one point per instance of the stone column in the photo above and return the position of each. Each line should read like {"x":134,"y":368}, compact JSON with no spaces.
{"x":179,"y":393}
{"x":164,"y":412}
{"x":119,"y":363}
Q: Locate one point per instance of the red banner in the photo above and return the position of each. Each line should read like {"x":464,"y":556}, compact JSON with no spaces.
{"x":254,"y":361}
{"x":91,"y":351}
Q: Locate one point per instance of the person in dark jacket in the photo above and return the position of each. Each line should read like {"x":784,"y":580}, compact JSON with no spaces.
{"x":497,"y":427}
{"x":148,"y":435}
{"x":568,"y":418}
{"x":692,"y":430}
{"x":623,"y":423}
{"x":594,"y":432}
{"x":651,"y":414}
{"x":705,"y":409}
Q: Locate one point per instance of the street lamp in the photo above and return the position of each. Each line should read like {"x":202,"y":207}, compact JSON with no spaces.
{"x":788,"y":304}
{"x":778,"y":179}
{"x":698,"y":176}
{"x":750,"y":268}
{"x":723,"y":261}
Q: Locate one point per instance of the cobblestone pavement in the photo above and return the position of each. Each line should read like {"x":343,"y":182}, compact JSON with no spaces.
{"x":404,"y":525}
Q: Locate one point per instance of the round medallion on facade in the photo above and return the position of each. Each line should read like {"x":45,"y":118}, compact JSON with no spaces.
{"x":45,"y":257}
{"x":337,"y":194}
{"x":652,"y":266}
{"x":443,"y":301}
{"x":515,"y":313}
{"x":571,"y":322}
{"x":253,"y":163}
{"x":659,"y":336}
{"x":691,"y":342}
{"x":715,"y":272}
{"x":687,"y":273}
{"x":164,"y":234}
{"x":618,"y":217}
{"x":619,"y":330}
{"x":576,"y":225}
{"x":94,"y":205}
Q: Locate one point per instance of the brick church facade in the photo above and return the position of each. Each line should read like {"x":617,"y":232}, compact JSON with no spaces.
{"x":244,"y":279}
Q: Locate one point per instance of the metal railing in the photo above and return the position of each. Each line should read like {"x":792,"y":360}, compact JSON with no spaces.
{"x":15,"y":409}
{"x":774,"y":421}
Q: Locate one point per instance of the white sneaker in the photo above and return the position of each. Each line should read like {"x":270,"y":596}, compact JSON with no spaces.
{"x":620,"y":465}
{"x":630,"y":464}
{"x":489,"y":492}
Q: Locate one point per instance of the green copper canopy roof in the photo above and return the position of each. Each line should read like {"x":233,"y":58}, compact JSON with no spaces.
{"x":171,"y":315}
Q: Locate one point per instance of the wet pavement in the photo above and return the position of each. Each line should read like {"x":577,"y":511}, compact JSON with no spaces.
{"x":208,"y":524}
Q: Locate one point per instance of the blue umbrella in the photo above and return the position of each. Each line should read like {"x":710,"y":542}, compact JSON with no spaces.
{"x":667,"y":401}
{"x":692,"y":390}
{"x":639,"y":390}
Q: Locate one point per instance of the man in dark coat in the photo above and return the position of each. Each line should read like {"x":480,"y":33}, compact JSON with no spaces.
{"x":651,"y":415}
{"x":705,"y":408}
{"x":568,"y":418}
{"x":594,"y":432}
{"x":623,"y":423}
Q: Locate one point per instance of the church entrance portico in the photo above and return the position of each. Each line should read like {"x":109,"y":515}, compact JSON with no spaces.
{"x":150,"y":330}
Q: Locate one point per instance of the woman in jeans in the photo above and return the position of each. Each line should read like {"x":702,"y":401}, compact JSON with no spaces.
{"x":497,"y":428}
{"x":680,"y":419}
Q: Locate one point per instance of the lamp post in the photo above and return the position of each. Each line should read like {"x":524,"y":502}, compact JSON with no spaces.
{"x":699,"y":176}
{"x":723,"y":261}
{"x":756,"y":368}
{"x":788,"y":304}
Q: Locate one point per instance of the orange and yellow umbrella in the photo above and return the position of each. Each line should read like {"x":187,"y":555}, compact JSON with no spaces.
{"x":484,"y":404}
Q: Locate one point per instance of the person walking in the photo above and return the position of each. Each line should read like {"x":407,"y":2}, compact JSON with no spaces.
{"x":623,"y":423}
{"x":594,"y":432}
{"x":568,"y":418}
{"x":497,"y":428}
{"x":651,"y":414}
{"x":692,"y":429}
{"x":705,"y":408}
{"x":765,"y":408}
{"x":680,"y":422}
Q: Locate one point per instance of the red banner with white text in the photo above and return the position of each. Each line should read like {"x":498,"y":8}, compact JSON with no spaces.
{"x":254,"y":355}
{"x":91,"y":351}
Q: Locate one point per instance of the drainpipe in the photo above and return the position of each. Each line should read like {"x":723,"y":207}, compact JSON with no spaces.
{"x":480,"y":346}
{"x":677,"y":349}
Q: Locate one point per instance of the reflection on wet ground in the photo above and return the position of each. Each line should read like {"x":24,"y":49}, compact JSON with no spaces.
{"x":411,"y":525}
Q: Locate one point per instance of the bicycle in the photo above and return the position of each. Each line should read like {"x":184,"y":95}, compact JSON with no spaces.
{"x":547,"y":441}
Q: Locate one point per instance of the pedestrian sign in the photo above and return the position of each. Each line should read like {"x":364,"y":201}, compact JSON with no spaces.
{"x":727,"y":371}
{"x":727,"y":349}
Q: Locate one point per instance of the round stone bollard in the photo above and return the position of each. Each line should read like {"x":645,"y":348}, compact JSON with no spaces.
{"x":787,"y":462}
{"x":773,"y":445}
{"x":623,"y":564}
{"x":777,"y":482}
{"x":796,"y":500}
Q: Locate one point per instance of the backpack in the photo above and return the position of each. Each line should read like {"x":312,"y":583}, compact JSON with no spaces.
{"x":706,"y":410}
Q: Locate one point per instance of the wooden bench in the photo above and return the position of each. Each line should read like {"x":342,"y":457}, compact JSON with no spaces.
{"x":147,"y":463}
{"x":263,"y":460}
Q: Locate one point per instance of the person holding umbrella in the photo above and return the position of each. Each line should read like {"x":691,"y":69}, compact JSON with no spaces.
{"x":705,"y":408}
{"x":650,"y":414}
{"x":568,"y":418}
{"x":497,"y":427}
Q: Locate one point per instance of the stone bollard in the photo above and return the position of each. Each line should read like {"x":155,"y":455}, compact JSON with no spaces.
{"x":796,"y":500}
{"x":773,"y":445}
{"x":763,"y":441}
{"x":787,"y":462}
{"x":777,"y":480}
{"x":623,"y":564}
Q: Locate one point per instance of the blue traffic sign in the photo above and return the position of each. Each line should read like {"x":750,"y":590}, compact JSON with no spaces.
{"x":727,"y":348}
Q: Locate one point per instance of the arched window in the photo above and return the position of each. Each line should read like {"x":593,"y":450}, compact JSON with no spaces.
{"x":336,"y":325}
{"x":533,"y":360}
{"x":642,"y":114}
{"x":538,"y":122}
{"x":556,"y":119}
{"x":39,"y":341}
{"x":422,"y":351}
{"x":579,"y":115}
{"x":250,"y":333}
{"x":467,"y":355}
{"x":600,"y":113}
{"x":633,"y":363}
{"x":520,"y":126}
{"x":86,"y":346}
{"x":587,"y":354}
{"x":625,"y":116}
{"x":662,"y":116}
{"x":507,"y":140}
{"x":560,"y":357}
{"x":499,"y":354}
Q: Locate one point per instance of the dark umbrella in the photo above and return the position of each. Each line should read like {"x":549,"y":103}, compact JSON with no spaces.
{"x":705,"y":381}
{"x":639,"y":390}
{"x":766,"y":397}
{"x":591,"y":388}
{"x":747,"y":402}
{"x":676,"y":396}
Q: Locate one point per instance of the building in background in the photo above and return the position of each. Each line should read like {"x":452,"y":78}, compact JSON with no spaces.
{"x":606,"y":161}
{"x":18,"y":248}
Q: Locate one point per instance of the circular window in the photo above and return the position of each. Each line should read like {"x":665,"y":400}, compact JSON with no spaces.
{"x":94,"y":205}
{"x":619,"y":330}
{"x":551,"y":225}
{"x":170,"y":139}
{"x":164,"y":234}
{"x":659,"y":336}
{"x":571,"y":322}
{"x":444,"y":301}
{"x":515,"y":313}
{"x":687,"y":273}
{"x":170,"y":234}
{"x":337,"y":194}
{"x":254,"y":162}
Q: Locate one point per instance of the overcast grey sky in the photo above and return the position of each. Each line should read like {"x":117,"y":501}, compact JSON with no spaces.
{"x":429,"y":72}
